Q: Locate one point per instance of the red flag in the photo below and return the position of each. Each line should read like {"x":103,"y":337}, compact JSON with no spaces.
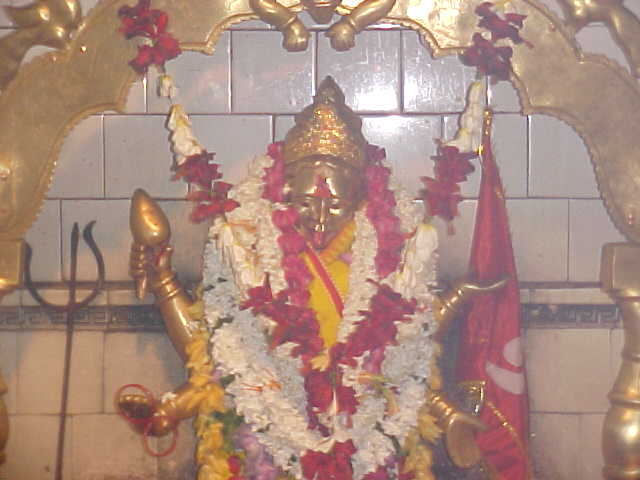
{"x":490,"y":346}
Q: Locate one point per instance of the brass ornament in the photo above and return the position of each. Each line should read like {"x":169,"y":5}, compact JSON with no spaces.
{"x":150,"y":266}
{"x":341,"y":34}
{"x":327,"y":127}
{"x":46,"y":22}
{"x":621,"y":431}
{"x":621,"y":22}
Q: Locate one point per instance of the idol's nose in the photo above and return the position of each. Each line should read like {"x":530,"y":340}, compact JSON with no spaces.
{"x":321,"y":215}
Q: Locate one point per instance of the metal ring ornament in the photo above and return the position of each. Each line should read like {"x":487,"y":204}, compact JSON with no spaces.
{"x":147,"y":422}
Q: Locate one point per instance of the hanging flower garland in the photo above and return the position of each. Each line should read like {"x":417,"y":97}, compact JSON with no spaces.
{"x":492,"y":58}
{"x":150,"y":24}
{"x":193,"y":163}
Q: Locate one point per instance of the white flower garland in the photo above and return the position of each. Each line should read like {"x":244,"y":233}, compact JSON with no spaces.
{"x":268,"y":388}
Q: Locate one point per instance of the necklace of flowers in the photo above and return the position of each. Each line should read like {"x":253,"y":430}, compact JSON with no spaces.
{"x":364,"y":328}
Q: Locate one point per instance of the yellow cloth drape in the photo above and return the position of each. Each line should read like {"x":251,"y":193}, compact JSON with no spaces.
{"x":320,"y":301}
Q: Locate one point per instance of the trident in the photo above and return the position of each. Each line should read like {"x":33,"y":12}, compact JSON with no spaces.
{"x":71,"y":307}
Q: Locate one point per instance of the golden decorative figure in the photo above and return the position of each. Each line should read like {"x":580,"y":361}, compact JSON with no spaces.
{"x":621,"y":22}
{"x":341,"y":34}
{"x":46,"y":22}
{"x":621,"y":432}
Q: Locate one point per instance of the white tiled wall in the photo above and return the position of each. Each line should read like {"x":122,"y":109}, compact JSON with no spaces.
{"x":241,"y":98}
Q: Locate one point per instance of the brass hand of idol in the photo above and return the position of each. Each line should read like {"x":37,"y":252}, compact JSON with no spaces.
{"x":449,"y":304}
{"x":146,"y":415}
{"x":459,"y":430}
{"x":150,"y":266}
{"x":151,"y":233}
{"x":158,"y":418}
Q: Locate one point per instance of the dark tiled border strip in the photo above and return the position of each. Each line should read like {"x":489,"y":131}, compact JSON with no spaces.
{"x":147,"y":318}
{"x":570,"y":316}
{"x":92,"y":318}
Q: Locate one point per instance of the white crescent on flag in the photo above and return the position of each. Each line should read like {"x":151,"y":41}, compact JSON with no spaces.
{"x":512,"y":382}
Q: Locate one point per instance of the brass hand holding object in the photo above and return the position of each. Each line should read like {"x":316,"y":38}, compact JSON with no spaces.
{"x":449,"y":304}
{"x":459,"y":430}
{"x":150,"y":266}
{"x":164,"y":415}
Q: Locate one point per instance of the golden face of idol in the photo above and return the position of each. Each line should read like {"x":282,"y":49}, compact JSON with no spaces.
{"x":326,"y":192}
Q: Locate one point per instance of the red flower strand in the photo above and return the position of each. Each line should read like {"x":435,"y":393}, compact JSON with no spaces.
{"x":380,"y":205}
{"x":142,"y":21}
{"x":211,"y":198}
{"x":441,"y":194}
{"x":485,"y":55}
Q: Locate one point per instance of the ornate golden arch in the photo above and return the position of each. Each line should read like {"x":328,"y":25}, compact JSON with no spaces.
{"x":54,"y":92}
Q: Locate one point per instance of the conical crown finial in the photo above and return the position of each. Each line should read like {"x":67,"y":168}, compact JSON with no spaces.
{"x":327,"y":127}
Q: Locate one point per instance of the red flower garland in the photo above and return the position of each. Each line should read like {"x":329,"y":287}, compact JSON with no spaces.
{"x":211,"y":200}
{"x":142,"y":21}
{"x":442,"y":194}
{"x":490,"y":59}
{"x":380,"y":204}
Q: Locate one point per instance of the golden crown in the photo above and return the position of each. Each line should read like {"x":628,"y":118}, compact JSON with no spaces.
{"x":327,"y":127}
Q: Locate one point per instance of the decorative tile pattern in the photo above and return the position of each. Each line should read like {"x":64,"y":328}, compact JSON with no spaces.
{"x":558,"y":316}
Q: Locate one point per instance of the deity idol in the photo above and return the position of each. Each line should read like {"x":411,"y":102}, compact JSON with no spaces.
{"x":312,"y":352}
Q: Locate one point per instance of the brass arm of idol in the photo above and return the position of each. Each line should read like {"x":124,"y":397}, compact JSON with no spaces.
{"x":150,"y":263}
{"x":459,"y":430}
{"x":448,"y":305}
{"x":441,"y":408}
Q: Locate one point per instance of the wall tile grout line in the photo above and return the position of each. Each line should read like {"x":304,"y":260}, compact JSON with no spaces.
{"x":401,"y":72}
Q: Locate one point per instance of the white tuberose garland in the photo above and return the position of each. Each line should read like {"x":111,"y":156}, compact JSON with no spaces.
{"x":268,"y":388}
